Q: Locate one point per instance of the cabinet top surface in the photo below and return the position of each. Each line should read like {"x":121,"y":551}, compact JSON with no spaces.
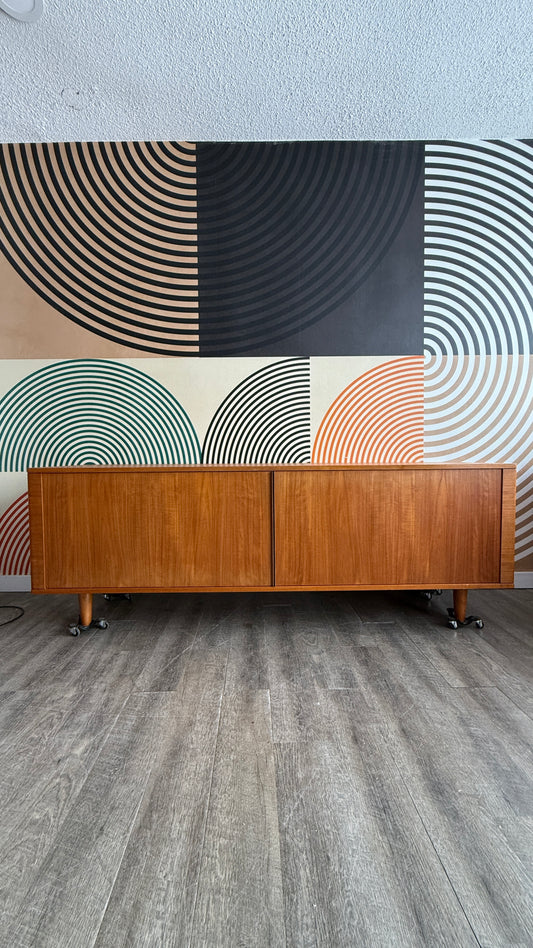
{"x":187,"y":468}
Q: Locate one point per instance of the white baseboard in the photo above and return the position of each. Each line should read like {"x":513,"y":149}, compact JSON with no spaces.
{"x":523,"y":580}
{"x":15,"y":584}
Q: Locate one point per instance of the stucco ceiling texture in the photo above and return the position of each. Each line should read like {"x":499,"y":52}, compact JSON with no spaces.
{"x":247,"y":70}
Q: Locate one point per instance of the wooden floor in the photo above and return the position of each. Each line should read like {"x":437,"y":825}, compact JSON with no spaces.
{"x":328,"y":769}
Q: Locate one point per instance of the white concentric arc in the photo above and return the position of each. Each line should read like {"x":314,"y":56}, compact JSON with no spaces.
{"x":479,"y":310}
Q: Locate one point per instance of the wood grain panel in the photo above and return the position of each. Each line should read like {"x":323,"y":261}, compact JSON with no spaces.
{"x":213,"y":527}
{"x":508,"y":524}
{"x":107,"y":529}
{"x":395,"y":527}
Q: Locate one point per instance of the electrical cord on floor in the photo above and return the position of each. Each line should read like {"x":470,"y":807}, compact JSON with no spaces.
{"x":14,"y":618}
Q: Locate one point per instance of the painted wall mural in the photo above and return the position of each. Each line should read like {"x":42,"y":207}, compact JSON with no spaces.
{"x":106,"y":234}
{"x":479,"y":311}
{"x":93,"y":412}
{"x":166,"y":302}
{"x":266,"y":419}
{"x":223,"y":249}
{"x":15,"y":538}
{"x":377,"y":419}
{"x":299,"y":243}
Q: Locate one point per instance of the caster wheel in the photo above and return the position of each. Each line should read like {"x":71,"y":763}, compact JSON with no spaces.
{"x":480,"y":624}
{"x":74,"y":629}
{"x":107,"y":597}
{"x":437,"y":592}
{"x":102,"y":624}
{"x":427,"y":595}
{"x":452,"y":624}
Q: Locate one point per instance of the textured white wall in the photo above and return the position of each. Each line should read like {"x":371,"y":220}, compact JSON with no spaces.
{"x":268,"y":70}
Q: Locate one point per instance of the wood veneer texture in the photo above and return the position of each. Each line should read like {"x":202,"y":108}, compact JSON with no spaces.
{"x":251,"y":527}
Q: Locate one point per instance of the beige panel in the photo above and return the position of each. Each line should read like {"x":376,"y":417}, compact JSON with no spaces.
{"x":32,"y":329}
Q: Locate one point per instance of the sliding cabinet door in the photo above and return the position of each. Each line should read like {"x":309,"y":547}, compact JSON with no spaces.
{"x":151,"y":529}
{"x":387,"y":527}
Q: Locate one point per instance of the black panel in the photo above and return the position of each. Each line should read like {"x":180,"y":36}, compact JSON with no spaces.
{"x":311,"y":248}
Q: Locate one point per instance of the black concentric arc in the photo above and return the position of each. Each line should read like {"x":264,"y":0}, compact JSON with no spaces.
{"x":266,"y":419}
{"x":288,"y":232}
{"x":106,"y":234}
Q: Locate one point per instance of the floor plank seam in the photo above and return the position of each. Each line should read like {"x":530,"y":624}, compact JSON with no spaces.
{"x":484,"y":654}
{"x":282,"y":881}
{"x":81,"y":789}
{"x":513,"y":702}
{"x":437,"y":854}
{"x":121,"y":860}
{"x":37,"y":870}
{"x":207,"y":809}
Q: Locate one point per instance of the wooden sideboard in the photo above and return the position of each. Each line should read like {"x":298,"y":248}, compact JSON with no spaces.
{"x":271,"y":527}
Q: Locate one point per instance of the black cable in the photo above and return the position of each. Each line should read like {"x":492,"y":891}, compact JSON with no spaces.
{"x":21,"y":613}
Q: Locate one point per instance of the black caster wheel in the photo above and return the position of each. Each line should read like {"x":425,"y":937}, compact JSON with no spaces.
{"x":76,"y":628}
{"x":454,"y":623}
{"x":429,"y":593}
{"x":111,"y":597}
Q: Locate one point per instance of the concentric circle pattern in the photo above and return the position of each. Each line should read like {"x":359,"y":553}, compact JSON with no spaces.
{"x":478,"y":276}
{"x":92,"y":412}
{"x":106,"y":233}
{"x":377,"y":419}
{"x":264,"y":420}
{"x":479,"y":311}
{"x":287,"y":232}
{"x":15,"y":539}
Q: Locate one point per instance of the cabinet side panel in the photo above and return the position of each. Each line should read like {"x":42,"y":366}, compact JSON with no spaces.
{"x":37,"y":544}
{"x":508,"y":524}
{"x":397,"y":527}
{"x":158,"y":529}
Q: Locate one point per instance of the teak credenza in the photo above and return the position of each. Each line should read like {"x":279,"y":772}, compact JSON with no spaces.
{"x":271,"y":527}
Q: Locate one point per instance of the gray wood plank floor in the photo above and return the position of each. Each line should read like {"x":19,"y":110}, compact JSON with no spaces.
{"x":324,"y":769}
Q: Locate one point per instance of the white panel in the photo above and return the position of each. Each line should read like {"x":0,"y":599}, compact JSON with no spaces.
{"x":523,"y":580}
{"x":9,"y":584}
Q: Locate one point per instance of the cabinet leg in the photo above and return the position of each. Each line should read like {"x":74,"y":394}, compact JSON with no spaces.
{"x":457,"y":615}
{"x":86,"y":620}
{"x":460,"y":597}
{"x":86,"y":609}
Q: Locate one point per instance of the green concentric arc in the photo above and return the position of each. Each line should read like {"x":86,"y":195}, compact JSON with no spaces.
{"x":93,"y":411}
